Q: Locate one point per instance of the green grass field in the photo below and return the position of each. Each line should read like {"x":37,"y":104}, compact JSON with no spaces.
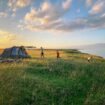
{"x":70,"y":80}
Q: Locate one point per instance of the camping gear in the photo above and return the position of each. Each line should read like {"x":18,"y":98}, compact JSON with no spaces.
{"x":15,"y":52}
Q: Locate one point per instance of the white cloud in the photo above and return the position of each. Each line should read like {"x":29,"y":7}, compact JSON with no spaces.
{"x":98,"y":7}
{"x":15,"y":4}
{"x":46,"y":6}
{"x":46,"y":15}
{"x":23,"y":3}
{"x":30,"y":16}
{"x":3,"y":14}
{"x":91,"y":22}
{"x":89,"y":2}
{"x":83,"y":23}
{"x":103,"y":15}
{"x":50,"y":17}
{"x":67,"y":4}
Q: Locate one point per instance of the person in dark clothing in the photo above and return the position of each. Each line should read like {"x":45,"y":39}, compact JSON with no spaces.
{"x":58,"y":54}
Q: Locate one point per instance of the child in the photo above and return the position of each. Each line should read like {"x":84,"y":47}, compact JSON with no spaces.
{"x":89,"y":59}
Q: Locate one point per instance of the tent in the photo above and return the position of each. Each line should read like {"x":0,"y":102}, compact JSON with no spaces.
{"x":15,"y":52}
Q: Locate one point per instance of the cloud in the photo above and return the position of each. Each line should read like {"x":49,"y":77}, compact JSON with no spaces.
{"x":103,"y":15}
{"x":46,"y":6}
{"x":7,"y":38}
{"x":98,"y":7}
{"x":89,"y":2}
{"x":47,"y":12}
{"x":49,"y":17}
{"x":83,"y":24}
{"x":91,"y":22}
{"x":15,"y":4}
{"x":67,"y":4}
{"x":3,"y":14}
{"x":7,"y":35}
{"x":46,"y":15}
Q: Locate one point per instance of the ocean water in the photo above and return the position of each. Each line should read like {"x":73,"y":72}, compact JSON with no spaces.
{"x":98,"y":52}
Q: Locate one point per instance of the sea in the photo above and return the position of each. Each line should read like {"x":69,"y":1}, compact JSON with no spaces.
{"x":98,"y":52}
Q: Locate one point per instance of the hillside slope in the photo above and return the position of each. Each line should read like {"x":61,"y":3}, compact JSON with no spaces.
{"x":70,"y":80}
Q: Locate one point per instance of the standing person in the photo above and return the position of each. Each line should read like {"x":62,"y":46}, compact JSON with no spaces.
{"x":42,"y":52}
{"x":58,"y":54}
{"x":89,"y":59}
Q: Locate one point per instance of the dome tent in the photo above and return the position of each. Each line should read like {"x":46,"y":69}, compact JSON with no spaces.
{"x":15,"y":52}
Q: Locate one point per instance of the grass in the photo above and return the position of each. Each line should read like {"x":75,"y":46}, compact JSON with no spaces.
{"x":70,"y":80}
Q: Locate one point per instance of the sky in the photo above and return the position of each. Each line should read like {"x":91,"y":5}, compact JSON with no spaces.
{"x":51,"y":23}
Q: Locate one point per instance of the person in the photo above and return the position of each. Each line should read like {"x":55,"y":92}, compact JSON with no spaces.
{"x":89,"y":59}
{"x":42,"y":52}
{"x":58,"y":54}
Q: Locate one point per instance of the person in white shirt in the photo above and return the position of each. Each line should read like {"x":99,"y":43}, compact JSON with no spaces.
{"x":42,"y":52}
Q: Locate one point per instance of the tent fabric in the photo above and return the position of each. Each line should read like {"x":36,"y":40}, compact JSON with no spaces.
{"x":15,"y":52}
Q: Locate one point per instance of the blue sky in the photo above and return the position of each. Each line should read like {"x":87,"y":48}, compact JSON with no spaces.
{"x":52,"y":23}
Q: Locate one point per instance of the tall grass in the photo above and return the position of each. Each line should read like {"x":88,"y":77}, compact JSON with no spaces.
{"x":70,"y":80}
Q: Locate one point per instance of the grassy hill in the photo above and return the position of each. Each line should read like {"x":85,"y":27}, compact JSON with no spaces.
{"x":70,"y":80}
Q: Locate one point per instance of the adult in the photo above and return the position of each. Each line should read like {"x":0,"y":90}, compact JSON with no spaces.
{"x":42,"y":52}
{"x":58,"y":54}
